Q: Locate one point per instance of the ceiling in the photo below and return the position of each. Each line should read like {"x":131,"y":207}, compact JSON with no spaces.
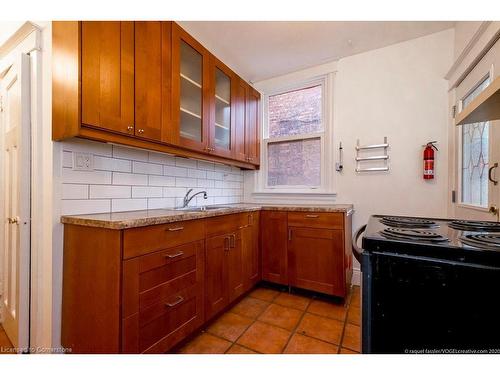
{"x":258,"y":50}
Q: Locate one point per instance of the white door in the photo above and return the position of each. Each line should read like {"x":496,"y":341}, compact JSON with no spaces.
{"x":478,"y":147}
{"x":15,"y":210}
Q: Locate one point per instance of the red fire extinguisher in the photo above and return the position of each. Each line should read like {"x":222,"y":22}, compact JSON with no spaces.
{"x":429,"y":160}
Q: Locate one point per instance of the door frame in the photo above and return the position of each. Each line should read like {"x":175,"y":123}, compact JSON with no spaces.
{"x":28,"y":40}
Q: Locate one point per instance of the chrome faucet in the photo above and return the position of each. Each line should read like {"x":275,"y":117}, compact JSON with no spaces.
{"x":188,"y":198}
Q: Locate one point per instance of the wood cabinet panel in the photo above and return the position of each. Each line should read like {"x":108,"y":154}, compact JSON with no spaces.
{"x":251,"y":250}
{"x":235,"y":266}
{"x":274,"y":232}
{"x":327,"y":220}
{"x":107,"y":75}
{"x":140,"y":241}
{"x":316,"y":260}
{"x":224,"y":224}
{"x":216,"y":295}
{"x":149,"y":40}
{"x":162,"y":298}
{"x":240,"y":120}
{"x":252,"y":128}
{"x":91,"y":290}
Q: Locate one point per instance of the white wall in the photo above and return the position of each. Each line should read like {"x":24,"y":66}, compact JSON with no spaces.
{"x":399,"y":92}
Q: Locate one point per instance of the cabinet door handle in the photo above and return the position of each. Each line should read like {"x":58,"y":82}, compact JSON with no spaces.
{"x":174,"y":255}
{"x":490,"y":172}
{"x":312,"y":216}
{"x":176,"y":302}
{"x":140,"y":131}
{"x":289,"y":234}
{"x":232,"y":241}
{"x":130,"y":128}
{"x":175,"y":229}
{"x":226,"y":243}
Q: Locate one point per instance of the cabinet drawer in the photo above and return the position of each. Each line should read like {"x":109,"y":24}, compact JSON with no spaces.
{"x":219,"y":225}
{"x":139,"y":241}
{"x":328,"y":220}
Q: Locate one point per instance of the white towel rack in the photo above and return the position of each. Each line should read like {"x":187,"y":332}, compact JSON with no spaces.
{"x":360,"y":159}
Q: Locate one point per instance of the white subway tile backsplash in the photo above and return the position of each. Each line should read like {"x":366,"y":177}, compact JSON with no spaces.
{"x":126,"y":179}
{"x":196,"y":173}
{"x":174,"y":171}
{"x":147,"y":192}
{"x":86,"y":206}
{"x":147,"y":168}
{"x":161,"y":181}
{"x":83,"y":145}
{"x":74,"y":191}
{"x":85,"y":177}
{"x":156,"y":203}
{"x":109,"y":191}
{"x":118,"y":205}
{"x":129,"y":153}
{"x":156,"y":157}
{"x":186,"y":163}
{"x":110,"y":164}
{"x":174,"y":192}
{"x":67,"y":159}
{"x":129,"y":179}
{"x":185,"y":182}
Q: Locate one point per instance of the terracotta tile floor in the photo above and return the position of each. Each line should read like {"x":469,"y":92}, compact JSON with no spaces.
{"x":272,"y":321}
{"x":4,"y":342}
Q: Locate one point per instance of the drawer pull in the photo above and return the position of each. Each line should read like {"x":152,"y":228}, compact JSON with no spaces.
{"x":172,"y":304}
{"x":175,"y":229}
{"x":312,"y":216}
{"x":174,"y":255}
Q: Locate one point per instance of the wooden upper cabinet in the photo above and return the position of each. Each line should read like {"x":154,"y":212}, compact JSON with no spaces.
{"x":190,"y":92}
{"x":107,"y":75}
{"x":240,"y":105}
{"x":222,"y":108}
{"x":252,"y":128}
{"x":152,"y":79}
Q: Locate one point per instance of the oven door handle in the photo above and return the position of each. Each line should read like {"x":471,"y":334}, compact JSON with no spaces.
{"x":355,"y":249}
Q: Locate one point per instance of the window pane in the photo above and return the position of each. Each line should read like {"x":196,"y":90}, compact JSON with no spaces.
{"x":475,"y":157}
{"x":295,"y":163}
{"x":295,"y":112}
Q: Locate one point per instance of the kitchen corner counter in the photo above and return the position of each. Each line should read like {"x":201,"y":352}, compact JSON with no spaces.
{"x":133,"y":219}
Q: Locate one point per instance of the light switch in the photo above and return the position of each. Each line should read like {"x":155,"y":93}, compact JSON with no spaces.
{"x":83,"y":161}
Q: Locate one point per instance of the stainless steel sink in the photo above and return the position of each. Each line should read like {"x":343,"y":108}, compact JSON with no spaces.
{"x":202,"y":208}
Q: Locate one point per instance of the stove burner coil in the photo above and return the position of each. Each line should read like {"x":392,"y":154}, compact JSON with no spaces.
{"x":475,"y":226}
{"x":488,"y":241}
{"x":408,"y":222}
{"x":412,"y":235}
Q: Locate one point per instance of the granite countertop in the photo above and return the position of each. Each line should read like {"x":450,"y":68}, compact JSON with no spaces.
{"x":133,"y":219}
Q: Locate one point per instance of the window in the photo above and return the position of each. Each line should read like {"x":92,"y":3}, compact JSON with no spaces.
{"x":474,"y":173}
{"x":293,"y":137}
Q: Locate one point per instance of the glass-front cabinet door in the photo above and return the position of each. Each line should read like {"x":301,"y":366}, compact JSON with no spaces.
{"x":190,"y":85}
{"x":222,"y":111}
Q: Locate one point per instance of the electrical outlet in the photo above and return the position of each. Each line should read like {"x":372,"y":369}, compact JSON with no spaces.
{"x":83,"y":161}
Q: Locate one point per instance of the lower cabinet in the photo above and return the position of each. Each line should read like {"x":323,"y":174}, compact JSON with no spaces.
{"x":144,"y":290}
{"x":162,"y":298}
{"x":232,"y":260}
{"x":307,"y":250}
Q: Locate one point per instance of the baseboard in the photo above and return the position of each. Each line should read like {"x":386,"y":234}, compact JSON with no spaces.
{"x":356,"y":277}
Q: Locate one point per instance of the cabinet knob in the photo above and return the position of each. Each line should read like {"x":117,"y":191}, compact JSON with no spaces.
{"x":130,"y":128}
{"x":140,"y":131}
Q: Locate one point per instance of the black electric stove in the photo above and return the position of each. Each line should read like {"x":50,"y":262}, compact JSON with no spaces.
{"x":430,"y":285}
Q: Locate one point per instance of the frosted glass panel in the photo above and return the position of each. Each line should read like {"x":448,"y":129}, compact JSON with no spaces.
{"x":222,"y":110}
{"x":191,"y":93}
{"x":475,"y":159}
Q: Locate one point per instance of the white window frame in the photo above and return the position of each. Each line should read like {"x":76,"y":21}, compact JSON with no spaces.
{"x":460,"y":203}
{"x":326,"y":139}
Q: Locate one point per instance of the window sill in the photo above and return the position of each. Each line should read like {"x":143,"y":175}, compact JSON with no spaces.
{"x":304,"y":197}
